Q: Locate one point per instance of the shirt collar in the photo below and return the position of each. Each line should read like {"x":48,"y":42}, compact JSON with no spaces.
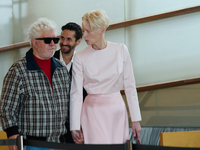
{"x":68,"y":66}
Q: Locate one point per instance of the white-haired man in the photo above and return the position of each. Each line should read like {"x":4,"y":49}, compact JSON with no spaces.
{"x":36,"y":89}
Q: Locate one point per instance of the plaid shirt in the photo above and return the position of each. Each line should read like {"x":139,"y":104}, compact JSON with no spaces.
{"x":29,"y":103}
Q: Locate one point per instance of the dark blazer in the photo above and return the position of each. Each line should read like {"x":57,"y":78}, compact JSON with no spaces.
{"x":68,"y":135}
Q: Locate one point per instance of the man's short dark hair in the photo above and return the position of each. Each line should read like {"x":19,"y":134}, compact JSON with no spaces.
{"x":73,"y":27}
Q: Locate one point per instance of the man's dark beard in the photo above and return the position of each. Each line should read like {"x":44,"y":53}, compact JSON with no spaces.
{"x":70,"y":48}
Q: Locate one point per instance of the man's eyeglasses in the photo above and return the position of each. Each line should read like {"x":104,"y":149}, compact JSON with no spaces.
{"x":48,"y":40}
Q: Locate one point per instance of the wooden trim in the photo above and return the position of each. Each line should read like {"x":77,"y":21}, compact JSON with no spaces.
{"x":166,"y":85}
{"x":154,"y":17}
{"x":15,"y":46}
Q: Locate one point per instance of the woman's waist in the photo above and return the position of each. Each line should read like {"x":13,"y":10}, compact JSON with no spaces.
{"x":104,"y":94}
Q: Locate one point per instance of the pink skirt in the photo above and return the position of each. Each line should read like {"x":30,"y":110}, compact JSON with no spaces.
{"x":104,"y":119}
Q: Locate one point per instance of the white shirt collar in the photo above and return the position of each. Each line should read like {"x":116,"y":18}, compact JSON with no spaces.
{"x":68,"y":66}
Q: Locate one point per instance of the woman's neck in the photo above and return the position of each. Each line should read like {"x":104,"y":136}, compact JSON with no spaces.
{"x":100,"y":45}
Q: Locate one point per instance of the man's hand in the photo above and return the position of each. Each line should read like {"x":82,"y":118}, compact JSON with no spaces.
{"x":77,"y":136}
{"x":13,"y":147}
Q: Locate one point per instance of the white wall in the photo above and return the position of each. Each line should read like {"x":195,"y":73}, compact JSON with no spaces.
{"x":5,"y":22}
{"x":165,"y":50}
{"x":5,"y":36}
{"x":142,"y":8}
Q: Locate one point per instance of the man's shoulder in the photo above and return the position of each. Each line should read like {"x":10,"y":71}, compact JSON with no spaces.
{"x":18,"y":67}
{"x":57,"y":62}
{"x":57,"y":54}
{"x":20,"y":63}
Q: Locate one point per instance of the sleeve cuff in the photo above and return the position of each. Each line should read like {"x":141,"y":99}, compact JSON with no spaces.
{"x":12,"y":131}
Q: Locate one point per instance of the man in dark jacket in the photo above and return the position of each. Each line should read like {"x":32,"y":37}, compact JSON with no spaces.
{"x":35,"y":90}
{"x":71,"y":36}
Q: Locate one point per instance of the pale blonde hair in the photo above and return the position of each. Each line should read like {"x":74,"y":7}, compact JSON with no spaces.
{"x":97,"y":19}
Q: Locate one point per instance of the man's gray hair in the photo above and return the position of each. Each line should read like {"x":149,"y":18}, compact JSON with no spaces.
{"x":38,"y":27}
